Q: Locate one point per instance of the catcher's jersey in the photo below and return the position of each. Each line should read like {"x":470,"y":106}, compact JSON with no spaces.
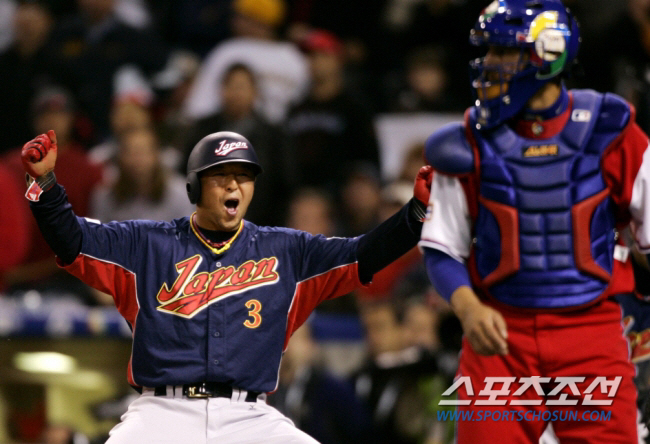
{"x":537,"y":218}
{"x":204,"y":314}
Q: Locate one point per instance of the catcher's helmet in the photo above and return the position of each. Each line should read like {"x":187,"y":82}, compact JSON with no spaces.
{"x":216,"y":149}
{"x":544,"y":30}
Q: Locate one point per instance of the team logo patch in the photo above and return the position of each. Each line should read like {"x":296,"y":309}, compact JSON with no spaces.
{"x":192,"y":292}
{"x":581,"y":115}
{"x":224,"y":148}
{"x":541,"y":150}
{"x":33,"y":192}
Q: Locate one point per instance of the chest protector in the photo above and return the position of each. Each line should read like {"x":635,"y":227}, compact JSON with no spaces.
{"x":546,"y":223}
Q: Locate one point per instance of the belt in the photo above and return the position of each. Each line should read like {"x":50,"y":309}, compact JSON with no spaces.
{"x":207,"y":390}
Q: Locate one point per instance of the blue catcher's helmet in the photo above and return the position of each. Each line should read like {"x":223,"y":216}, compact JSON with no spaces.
{"x":548,"y":37}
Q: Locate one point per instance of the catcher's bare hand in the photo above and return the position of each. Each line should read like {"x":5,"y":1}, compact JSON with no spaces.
{"x":483,"y":326}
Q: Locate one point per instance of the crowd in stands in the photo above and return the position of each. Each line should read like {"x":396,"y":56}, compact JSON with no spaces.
{"x":130,"y":86}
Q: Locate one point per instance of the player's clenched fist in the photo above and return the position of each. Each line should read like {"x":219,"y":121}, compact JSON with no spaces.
{"x":39,"y":155}
{"x":422,"y":187}
{"x":421,"y":192}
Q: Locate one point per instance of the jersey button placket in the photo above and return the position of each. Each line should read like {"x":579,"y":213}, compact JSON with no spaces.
{"x":215,"y":344}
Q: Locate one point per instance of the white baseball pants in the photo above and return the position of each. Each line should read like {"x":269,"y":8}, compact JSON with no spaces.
{"x":180,"y":420}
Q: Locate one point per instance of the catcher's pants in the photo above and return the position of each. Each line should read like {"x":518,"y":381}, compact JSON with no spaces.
{"x":588,"y":343}
{"x":180,"y":420}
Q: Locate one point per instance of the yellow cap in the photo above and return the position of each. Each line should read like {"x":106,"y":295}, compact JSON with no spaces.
{"x":269,"y":12}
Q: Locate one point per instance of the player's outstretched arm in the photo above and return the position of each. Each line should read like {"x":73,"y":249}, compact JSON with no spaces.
{"x":398,"y":234}
{"x":49,"y":203}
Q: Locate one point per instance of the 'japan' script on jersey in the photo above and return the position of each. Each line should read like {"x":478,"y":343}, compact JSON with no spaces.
{"x":200,"y":313}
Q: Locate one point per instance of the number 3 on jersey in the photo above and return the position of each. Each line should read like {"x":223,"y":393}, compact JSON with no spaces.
{"x":254,"y":306}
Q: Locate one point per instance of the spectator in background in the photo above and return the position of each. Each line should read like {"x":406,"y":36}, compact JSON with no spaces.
{"x":424,"y":326}
{"x":426,"y":84}
{"x":25,"y":67}
{"x":412,"y":161}
{"x":238,"y":94}
{"x":172,"y":86}
{"x":421,"y":323}
{"x":131,"y":109}
{"x":330,"y":128}
{"x":144,"y":189}
{"x":359,"y":25}
{"x":359,"y":198}
{"x":197,"y":25}
{"x":319,"y":404}
{"x":389,"y":383}
{"x":280,"y":67}
{"x":386,"y":281}
{"x":7,"y":10}
{"x":624,"y":62}
{"x":442,"y":23}
{"x":127,"y":113}
{"x":312,"y":210}
{"x":93,"y":45}
{"x":133,"y":12}
{"x":53,"y":109}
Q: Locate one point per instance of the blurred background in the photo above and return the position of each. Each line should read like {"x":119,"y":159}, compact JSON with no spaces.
{"x":336,"y":96}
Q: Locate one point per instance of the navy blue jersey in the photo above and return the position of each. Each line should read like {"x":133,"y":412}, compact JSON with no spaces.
{"x":204,"y":314}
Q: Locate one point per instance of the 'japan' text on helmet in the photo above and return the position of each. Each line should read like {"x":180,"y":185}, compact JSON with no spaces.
{"x":216,"y":149}
{"x":548,"y":37}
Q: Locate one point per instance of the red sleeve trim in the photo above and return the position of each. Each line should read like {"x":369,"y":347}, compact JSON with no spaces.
{"x":110,"y":278}
{"x":311,"y":292}
{"x":621,"y":162}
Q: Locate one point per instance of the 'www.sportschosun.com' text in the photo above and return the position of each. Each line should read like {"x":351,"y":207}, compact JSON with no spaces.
{"x":517,"y":415}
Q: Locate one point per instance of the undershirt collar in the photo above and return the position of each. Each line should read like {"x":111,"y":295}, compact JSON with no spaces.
{"x":546,"y":123}
{"x":217,"y":241}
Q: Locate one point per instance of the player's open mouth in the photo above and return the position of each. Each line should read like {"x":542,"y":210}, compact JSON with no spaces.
{"x":231,"y":206}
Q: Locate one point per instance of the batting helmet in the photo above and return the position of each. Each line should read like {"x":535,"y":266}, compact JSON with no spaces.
{"x":216,"y":149}
{"x":544,"y":30}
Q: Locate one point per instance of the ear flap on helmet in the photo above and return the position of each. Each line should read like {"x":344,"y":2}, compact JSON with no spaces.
{"x":193,"y":187}
{"x":556,"y":42}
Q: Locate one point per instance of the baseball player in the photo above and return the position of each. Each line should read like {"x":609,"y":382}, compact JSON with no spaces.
{"x":528,"y":198}
{"x":211,"y":299}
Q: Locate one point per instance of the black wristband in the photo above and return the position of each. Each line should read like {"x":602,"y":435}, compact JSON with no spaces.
{"x":418,"y":210}
{"x":46,"y":181}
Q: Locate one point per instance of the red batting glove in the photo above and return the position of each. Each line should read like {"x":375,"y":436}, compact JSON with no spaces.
{"x":422,"y":187}
{"x":39,"y":155}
